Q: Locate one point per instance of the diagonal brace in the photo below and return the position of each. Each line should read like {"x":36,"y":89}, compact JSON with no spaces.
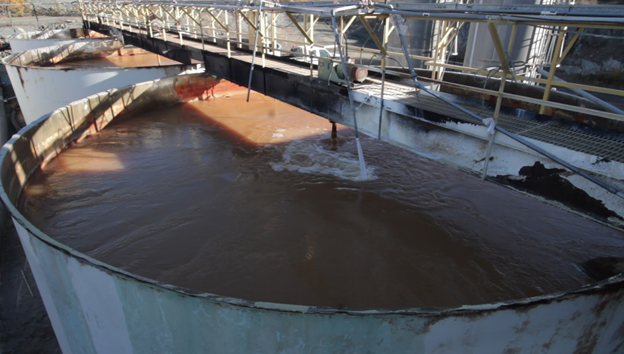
{"x":296,"y":23}
{"x":570,"y":45}
{"x":373,"y":36}
{"x":253,"y":26}
{"x":499,"y":47}
{"x":218,"y":21}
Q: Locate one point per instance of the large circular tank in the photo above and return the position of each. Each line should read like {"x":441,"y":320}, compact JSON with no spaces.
{"x":98,"y":308}
{"x":32,"y":40}
{"x":47,"y":78}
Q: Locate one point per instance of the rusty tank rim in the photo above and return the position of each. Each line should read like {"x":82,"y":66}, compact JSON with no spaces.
{"x":50,"y":34}
{"x":26,"y":65}
{"x":610,"y":284}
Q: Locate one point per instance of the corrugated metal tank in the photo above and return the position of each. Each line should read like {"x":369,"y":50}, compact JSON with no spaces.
{"x":31,"y":40}
{"x":97,"y":308}
{"x":41,"y":88}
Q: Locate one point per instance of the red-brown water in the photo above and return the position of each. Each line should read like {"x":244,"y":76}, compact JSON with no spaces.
{"x":247,"y":200}
{"x":140,"y":59}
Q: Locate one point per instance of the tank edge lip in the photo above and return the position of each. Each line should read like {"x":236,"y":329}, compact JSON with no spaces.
{"x":7,"y":61}
{"x":82,"y":41}
{"x":35,"y":40}
{"x":615,"y":282}
{"x":92,"y":68}
{"x":32,"y":33}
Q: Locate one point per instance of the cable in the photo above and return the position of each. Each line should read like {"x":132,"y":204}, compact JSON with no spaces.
{"x":387,"y":57}
{"x":491,"y":71}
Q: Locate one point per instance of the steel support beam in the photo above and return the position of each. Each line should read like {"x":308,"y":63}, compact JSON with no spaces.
{"x":303,"y":31}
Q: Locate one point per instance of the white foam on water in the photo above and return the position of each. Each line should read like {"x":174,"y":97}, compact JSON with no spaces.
{"x":312,"y":157}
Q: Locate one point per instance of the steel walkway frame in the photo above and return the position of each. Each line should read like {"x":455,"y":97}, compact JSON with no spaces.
{"x":186,"y":22}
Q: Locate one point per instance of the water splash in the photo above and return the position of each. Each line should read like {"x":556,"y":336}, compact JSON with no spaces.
{"x":313,"y":157}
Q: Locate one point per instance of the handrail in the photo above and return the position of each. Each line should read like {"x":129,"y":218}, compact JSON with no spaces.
{"x":99,"y":8}
{"x":515,"y":137}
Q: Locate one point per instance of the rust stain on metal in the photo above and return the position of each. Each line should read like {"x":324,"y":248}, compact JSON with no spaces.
{"x":203,"y":88}
{"x":19,"y":73}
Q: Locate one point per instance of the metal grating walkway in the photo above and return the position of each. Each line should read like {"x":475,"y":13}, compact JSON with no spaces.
{"x":554,"y":132}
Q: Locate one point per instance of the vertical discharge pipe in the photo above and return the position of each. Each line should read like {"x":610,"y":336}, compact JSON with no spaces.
{"x":343,"y":63}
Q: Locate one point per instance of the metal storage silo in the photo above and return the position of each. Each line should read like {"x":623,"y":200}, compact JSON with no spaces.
{"x":47,"y":78}
{"x":419,"y":38}
{"x":528,"y":40}
{"x":98,"y":308}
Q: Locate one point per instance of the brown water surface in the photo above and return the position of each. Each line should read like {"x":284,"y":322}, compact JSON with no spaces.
{"x":247,"y":200}
{"x":140,"y":59}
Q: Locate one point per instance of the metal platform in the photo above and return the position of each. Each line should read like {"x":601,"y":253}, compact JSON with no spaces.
{"x":569,"y":135}
{"x":609,"y":146}
{"x":449,"y":128}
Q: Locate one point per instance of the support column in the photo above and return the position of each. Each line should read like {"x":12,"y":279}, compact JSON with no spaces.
{"x":553,"y":65}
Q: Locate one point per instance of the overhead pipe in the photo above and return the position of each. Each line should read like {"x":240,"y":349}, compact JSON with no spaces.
{"x":537,"y":10}
{"x":459,"y":14}
{"x":503,"y":18}
{"x":561,"y":10}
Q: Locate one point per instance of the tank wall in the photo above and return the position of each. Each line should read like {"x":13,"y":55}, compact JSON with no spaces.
{"x":47,"y":56}
{"x":96,"y":308}
{"x":32,"y":40}
{"x":58,"y":34}
{"x":40,"y":90}
{"x":21,"y":45}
